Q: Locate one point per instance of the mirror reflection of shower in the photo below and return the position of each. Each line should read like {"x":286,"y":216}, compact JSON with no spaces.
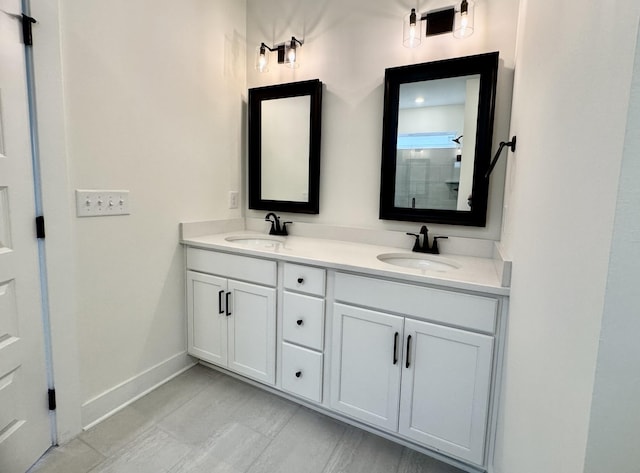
{"x":428,"y":171}
{"x":436,"y":118}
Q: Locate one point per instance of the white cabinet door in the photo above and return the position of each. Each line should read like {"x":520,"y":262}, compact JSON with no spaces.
{"x":366,"y":365}
{"x":207,"y":320}
{"x":445,"y":389}
{"x":252,"y":331}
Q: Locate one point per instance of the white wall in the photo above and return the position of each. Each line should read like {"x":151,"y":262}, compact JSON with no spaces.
{"x":441,"y":118}
{"x":572,"y":82}
{"x":153,"y":96}
{"x":615,"y":417}
{"x":348,"y":45}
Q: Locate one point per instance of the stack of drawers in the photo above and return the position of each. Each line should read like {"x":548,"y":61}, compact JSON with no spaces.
{"x":303,"y":331}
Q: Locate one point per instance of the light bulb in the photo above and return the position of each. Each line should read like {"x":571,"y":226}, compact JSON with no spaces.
{"x":292,"y":55}
{"x":412,"y":32}
{"x":262,"y":62}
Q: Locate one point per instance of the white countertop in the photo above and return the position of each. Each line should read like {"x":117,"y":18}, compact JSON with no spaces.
{"x":472,"y":274}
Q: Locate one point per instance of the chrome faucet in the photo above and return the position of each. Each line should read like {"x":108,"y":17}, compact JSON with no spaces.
{"x":423,"y":246}
{"x":276,"y":228}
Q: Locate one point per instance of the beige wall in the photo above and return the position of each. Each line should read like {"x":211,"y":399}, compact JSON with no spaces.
{"x":153,"y":102}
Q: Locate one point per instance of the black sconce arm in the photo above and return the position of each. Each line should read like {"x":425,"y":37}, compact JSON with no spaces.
{"x":510,"y":144}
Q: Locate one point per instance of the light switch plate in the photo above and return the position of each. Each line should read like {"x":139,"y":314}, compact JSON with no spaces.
{"x":233,"y":199}
{"x":101,"y":203}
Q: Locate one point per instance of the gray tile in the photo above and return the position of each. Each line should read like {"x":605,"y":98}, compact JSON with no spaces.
{"x":304,"y":445}
{"x":168,"y":397}
{"x":232,"y":450}
{"x":73,"y":457}
{"x":113,"y":433}
{"x":362,"y":452}
{"x":414,"y":462}
{"x":209,"y":412}
{"x":154,"y":451}
{"x":266,"y":413}
{"x":206,"y":422}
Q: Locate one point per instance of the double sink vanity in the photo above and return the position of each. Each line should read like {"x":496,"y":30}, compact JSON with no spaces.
{"x":403,"y":344}
{"x":351,"y":322}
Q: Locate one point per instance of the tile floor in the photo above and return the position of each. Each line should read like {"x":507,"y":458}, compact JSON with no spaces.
{"x":206,"y":422}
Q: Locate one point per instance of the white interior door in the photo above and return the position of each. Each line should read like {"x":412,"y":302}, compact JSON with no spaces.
{"x":24,"y":416}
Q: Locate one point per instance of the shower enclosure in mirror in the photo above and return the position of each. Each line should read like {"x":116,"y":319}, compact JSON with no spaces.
{"x":438,"y":123}
{"x":284,"y":147}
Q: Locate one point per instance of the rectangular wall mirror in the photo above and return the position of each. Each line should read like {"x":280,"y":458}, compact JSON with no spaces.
{"x":284,"y":147}
{"x":437,"y":129}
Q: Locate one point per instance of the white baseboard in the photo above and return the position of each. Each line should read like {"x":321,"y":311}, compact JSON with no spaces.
{"x":118,"y":397}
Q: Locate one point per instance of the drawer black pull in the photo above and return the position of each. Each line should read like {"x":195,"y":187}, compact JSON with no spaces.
{"x":300,"y":280}
{"x":299,"y":321}
{"x":298,"y":374}
{"x":220,"y":311}
{"x":395,"y":348}
{"x":408,"y":351}
{"x":226,"y":300}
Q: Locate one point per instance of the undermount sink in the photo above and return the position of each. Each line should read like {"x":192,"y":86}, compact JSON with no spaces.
{"x":418,"y":261}
{"x":257,"y":241}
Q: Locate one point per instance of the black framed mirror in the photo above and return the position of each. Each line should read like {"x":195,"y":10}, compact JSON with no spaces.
{"x":436,"y":140}
{"x":284,"y":147}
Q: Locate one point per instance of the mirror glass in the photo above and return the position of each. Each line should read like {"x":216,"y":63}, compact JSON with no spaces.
{"x":284,"y":147}
{"x":437,"y":131}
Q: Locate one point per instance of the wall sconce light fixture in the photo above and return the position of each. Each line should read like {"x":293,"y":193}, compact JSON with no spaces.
{"x":288,"y":54}
{"x":457,"y":19}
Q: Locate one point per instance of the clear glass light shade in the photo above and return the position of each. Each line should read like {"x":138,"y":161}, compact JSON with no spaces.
{"x":412,"y":30}
{"x":262,"y":59}
{"x":463,"y":21}
{"x":292,"y":56}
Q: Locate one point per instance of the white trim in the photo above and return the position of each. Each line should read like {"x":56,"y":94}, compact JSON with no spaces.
{"x":59,"y":242}
{"x":118,"y":397}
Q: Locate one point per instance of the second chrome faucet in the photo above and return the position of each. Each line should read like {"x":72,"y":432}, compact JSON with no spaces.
{"x":421,"y":244}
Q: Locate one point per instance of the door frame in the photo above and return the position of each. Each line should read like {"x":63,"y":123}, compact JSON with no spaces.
{"x":58,"y":210}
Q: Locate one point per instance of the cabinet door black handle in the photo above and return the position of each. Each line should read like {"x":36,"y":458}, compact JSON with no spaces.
{"x":220,"y":311}
{"x":408,"y":351}
{"x":298,"y":374}
{"x":300,"y":280}
{"x":299,"y":321}
{"x":395,"y":348}
{"x":226,"y":300}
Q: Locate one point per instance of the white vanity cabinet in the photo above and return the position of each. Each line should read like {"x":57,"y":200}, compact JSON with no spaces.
{"x":231,"y":307}
{"x":426,"y":381}
{"x":414,"y":362}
